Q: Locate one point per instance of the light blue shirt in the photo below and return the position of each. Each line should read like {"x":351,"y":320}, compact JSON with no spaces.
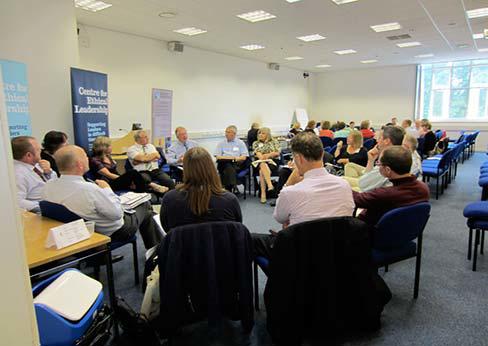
{"x":235,"y":148}
{"x":177,"y":149}
{"x":342,"y":133}
{"x":87,"y":200}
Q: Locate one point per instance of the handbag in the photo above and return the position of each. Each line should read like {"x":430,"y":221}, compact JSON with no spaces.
{"x":151,"y":302}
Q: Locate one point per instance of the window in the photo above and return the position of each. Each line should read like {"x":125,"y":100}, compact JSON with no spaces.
{"x":453,"y":90}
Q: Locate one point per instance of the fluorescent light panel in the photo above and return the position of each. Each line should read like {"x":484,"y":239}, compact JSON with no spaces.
{"x":92,"y":5}
{"x":482,"y":50}
{"x":292,"y":1}
{"x":310,"y":38}
{"x":252,"y":47}
{"x":256,"y":16}
{"x":477,"y":13}
{"x":408,"y":44}
{"x":372,"y":61}
{"x":342,"y":2}
{"x":322,"y":66}
{"x":345,"y":51}
{"x":190,"y":31}
{"x":424,"y":56}
{"x":478,"y":36}
{"x":386,"y":27}
{"x":294,"y":58}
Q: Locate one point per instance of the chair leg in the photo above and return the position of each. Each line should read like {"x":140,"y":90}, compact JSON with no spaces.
{"x":482,"y":246}
{"x":437,"y":188}
{"x":256,"y":287}
{"x":96,"y":272}
{"x":476,"y":242}
{"x":470,"y":242}
{"x":417,"y":268}
{"x":136,"y":262}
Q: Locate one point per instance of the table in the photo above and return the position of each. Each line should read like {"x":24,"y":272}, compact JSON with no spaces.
{"x":42,"y":261}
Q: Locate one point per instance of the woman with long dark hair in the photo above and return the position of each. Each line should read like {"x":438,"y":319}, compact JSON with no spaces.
{"x":53,"y":140}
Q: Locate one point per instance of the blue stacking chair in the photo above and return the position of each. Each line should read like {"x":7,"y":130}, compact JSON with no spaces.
{"x":331,"y":150}
{"x":60,"y":213}
{"x":327,"y":142}
{"x":369,"y":143}
{"x":244,"y":178}
{"x":55,"y":329}
{"x":394,"y":236}
{"x":340,"y":139}
{"x":438,"y":168}
{"x":477,"y":215}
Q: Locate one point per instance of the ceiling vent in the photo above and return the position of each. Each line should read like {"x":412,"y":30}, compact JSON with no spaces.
{"x":398,"y":37}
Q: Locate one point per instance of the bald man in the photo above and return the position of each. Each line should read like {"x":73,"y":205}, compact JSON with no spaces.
{"x":97,"y":202}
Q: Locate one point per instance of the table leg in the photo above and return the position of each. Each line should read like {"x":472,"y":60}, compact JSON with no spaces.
{"x":111,"y":288}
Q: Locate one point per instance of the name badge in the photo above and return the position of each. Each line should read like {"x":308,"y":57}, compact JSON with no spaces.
{"x":235,"y":148}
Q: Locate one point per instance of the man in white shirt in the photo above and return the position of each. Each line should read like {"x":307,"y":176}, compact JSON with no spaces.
{"x":177,"y":150}
{"x":97,"y":202}
{"x":407,"y":126}
{"x":314,"y":194}
{"x":31,"y":172}
{"x":144,"y":158}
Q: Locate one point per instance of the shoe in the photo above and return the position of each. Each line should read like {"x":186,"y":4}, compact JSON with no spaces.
{"x":271,"y":193}
{"x":263,"y":200}
{"x":273,"y":204}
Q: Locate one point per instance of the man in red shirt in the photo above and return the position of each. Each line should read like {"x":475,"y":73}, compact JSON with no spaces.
{"x":395,"y":163}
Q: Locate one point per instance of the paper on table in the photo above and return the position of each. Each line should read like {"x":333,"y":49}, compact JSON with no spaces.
{"x":67,"y":234}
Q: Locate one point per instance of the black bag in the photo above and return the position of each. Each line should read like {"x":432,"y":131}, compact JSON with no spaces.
{"x":99,"y":331}
{"x":135,"y":325}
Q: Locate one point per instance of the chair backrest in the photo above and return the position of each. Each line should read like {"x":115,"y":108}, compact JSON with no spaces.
{"x":331,"y":150}
{"x":420,"y":146}
{"x":327,"y":141}
{"x":369,"y":143}
{"x":400,"y":226}
{"x":340,"y":139}
{"x":128,"y":166}
{"x":57,"y":212}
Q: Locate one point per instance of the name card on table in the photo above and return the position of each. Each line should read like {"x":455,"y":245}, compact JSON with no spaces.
{"x":67,"y":234}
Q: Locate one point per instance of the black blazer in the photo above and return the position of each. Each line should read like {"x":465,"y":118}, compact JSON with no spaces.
{"x":48,"y":157}
{"x":205,"y":272}
{"x":322,"y":281}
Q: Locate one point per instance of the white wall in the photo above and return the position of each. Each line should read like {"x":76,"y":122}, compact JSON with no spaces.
{"x":376,"y":94}
{"x":42,"y":34}
{"x":210,"y":90}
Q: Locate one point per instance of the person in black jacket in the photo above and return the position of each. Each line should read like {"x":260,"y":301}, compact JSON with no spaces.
{"x":252,"y":135}
{"x":429,"y":137}
{"x":353,"y":152}
{"x":53,"y":140}
{"x":201,"y":197}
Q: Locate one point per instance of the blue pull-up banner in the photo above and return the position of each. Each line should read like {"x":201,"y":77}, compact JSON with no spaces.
{"x":16,"y":91}
{"x":89,"y":98}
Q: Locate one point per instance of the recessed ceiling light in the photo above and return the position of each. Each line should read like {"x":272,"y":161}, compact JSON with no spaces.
{"x":408,"y":44}
{"x":341,"y":2}
{"x":252,"y":47}
{"x":167,"y":14}
{"x":424,"y":56}
{"x":294,"y":58}
{"x":372,"y":61}
{"x":256,"y":16}
{"x":479,"y":12}
{"x":292,"y":1}
{"x":190,"y":31}
{"x":345,"y":51}
{"x":386,"y":27}
{"x":322,"y":66}
{"x":310,"y":38}
{"x":482,"y":50}
{"x":478,"y":36}
{"x":92,"y":5}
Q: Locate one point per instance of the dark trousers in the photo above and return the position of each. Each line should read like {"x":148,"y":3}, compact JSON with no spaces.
{"x":262,"y":244}
{"x":130,"y":180}
{"x":143,"y":221}
{"x":283,"y":174}
{"x":228,"y":171}
{"x":159,"y":177}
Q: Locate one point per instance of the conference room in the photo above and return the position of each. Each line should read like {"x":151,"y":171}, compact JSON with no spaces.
{"x":154,"y":98}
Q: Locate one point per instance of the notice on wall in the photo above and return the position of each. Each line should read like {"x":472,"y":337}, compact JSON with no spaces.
{"x":161,"y":112}
{"x":89,"y":99}
{"x":16,"y":95}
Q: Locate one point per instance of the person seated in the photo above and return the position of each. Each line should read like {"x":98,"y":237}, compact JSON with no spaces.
{"x":53,"y":140}
{"x":31,"y":172}
{"x":369,"y":178}
{"x":365,"y":129}
{"x":394,"y":121}
{"x":410,"y":142}
{"x":201,"y":197}
{"x":312,"y":194}
{"x":266,"y":149}
{"x":252,"y":135}
{"x":97,"y":202}
{"x":232,"y":157}
{"x":353,"y":151}
{"x":342,"y":131}
{"x":144,"y":158}
{"x":104,"y":167}
{"x":295,"y":129}
{"x":311,"y":127}
{"x":407,"y":126}
{"x":352,"y":125}
{"x":176,"y":151}
{"x":429,"y":137}
{"x":394,"y":164}
{"x":325,"y":130}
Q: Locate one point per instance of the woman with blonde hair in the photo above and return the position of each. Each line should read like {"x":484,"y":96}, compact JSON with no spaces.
{"x":201,"y":197}
{"x":353,"y":152}
{"x":103,"y":167}
{"x":429,"y":137}
{"x":266,"y":150}
{"x":411,"y":143}
{"x":295,"y":129}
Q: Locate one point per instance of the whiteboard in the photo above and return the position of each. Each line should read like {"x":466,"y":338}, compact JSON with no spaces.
{"x":301,"y":116}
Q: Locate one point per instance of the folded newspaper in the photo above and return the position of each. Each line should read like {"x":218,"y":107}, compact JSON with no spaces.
{"x":257,"y":162}
{"x":130,"y":200}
